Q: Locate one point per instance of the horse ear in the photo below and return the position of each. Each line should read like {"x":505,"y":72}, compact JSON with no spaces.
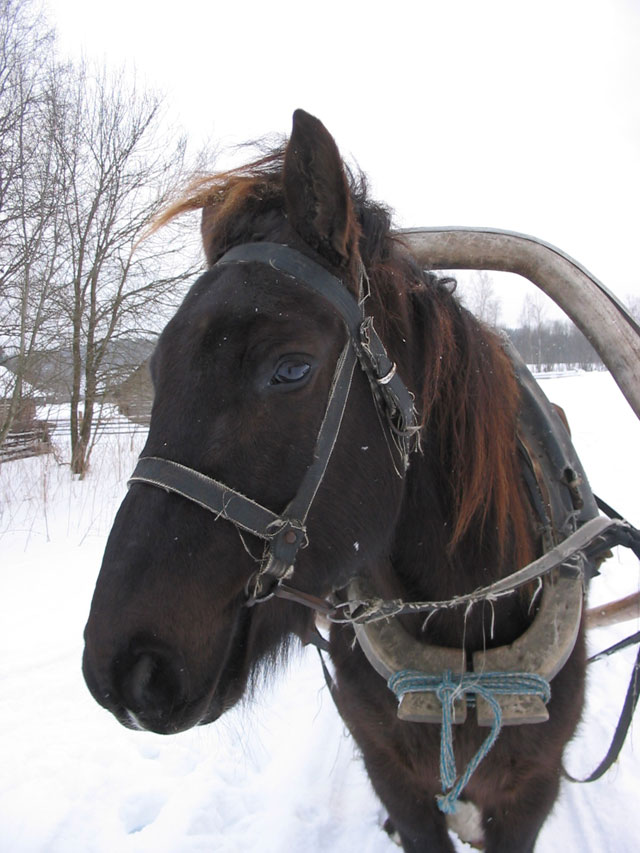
{"x":316,"y":190}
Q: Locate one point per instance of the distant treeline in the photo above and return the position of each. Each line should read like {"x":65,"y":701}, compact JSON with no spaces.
{"x":554,"y":343}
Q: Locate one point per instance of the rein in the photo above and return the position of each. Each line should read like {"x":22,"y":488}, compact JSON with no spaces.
{"x":284,"y":534}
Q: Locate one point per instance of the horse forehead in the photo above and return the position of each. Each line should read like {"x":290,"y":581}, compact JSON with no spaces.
{"x":241,"y":292}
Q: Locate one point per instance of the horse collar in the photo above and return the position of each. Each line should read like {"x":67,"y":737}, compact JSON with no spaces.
{"x":285,"y":534}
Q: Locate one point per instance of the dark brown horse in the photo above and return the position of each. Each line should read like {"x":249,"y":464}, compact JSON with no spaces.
{"x":242,"y":376}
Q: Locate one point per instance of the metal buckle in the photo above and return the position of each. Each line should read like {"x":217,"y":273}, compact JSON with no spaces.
{"x":253,"y":588}
{"x":384,"y":380}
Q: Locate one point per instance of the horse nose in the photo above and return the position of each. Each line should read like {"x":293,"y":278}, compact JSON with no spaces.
{"x":152,"y":682}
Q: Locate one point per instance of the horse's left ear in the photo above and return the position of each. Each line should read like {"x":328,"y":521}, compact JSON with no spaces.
{"x":316,"y":190}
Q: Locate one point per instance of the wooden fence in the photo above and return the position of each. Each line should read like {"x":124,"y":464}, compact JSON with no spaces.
{"x":22,"y":443}
{"x":33,"y":441}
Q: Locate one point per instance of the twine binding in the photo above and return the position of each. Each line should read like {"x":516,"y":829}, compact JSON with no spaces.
{"x":485,"y":684}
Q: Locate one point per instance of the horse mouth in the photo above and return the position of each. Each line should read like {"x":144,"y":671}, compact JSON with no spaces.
{"x":231,"y":682}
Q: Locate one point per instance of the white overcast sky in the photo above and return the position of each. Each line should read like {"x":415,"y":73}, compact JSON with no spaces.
{"x":522,"y":115}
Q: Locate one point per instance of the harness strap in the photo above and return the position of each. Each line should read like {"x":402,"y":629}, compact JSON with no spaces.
{"x":281,"y":556}
{"x":620,"y":734}
{"x":590,"y":540}
{"x":388,"y":388}
{"x":307,"y":272}
{"x":631,"y":640}
{"x":210,"y":494}
{"x":284,"y":535}
{"x":327,"y":436}
{"x":633,"y":690}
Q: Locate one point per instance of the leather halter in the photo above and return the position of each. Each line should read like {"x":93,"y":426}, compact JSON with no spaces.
{"x":285,"y":533}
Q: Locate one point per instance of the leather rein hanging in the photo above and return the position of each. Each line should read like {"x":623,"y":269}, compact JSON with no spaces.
{"x":285,"y":533}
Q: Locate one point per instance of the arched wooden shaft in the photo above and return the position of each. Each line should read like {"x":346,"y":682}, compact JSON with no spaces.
{"x":614,"y":612}
{"x":596,"y":311}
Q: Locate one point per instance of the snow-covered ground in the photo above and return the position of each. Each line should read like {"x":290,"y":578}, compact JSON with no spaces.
{"x":279,"y":775}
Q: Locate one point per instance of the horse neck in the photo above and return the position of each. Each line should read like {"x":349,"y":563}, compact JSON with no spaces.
{"x":464,"y":520}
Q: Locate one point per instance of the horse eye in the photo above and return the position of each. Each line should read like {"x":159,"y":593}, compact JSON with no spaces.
{"x":289,"y":371}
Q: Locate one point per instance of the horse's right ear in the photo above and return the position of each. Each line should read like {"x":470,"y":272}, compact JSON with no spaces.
{"x":316,"y":190}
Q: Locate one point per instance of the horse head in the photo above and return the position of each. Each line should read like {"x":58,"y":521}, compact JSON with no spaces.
{"x":242,"y":376}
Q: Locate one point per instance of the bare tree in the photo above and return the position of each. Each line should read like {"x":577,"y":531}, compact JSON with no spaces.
{"x":117,"y":166}
{"x":532,"y":318}
{"x":86,"y":160}
{"x":27,"y":196}
{"x":481,"y":298}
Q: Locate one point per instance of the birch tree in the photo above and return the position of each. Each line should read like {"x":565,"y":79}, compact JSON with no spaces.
{"x":532,"y":318}
{"x":481,"y":298}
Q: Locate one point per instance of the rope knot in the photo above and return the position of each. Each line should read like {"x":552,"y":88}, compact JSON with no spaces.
{"x":485,"y":684}
{"x":446,"y":691}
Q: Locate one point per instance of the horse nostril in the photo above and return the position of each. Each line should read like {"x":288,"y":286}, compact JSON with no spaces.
{"x":148,"y":684}
{"x":152,"y":682}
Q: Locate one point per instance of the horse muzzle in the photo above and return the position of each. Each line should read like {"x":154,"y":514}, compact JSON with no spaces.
{"x":147,"y":687}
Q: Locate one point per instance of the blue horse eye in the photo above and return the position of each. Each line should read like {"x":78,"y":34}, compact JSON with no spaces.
{"x":290,"y":371}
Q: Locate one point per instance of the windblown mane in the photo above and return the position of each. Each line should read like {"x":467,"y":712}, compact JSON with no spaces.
{"x":465,"y":387}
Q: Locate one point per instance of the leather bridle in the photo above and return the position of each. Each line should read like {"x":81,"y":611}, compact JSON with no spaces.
{"x":285,"y":533}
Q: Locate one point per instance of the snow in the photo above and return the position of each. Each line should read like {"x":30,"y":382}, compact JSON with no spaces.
{"x":277,"y":774}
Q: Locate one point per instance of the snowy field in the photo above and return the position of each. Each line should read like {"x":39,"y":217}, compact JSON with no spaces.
{"x":278,"y":775}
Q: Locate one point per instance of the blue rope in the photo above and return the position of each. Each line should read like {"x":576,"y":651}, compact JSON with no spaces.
{"x":485,"y":684}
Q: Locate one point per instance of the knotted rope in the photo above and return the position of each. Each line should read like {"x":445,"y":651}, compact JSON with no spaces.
{"x":485,"y":684}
